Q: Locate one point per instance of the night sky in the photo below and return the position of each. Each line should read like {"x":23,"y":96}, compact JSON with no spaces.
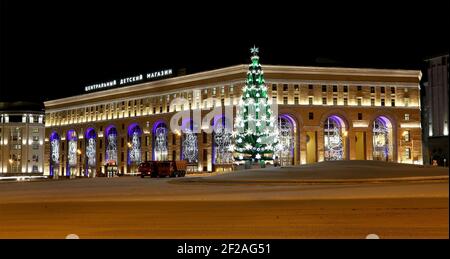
{"x":52,"y":50}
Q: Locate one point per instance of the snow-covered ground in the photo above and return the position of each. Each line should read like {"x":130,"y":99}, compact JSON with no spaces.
{"x":333,"y":170}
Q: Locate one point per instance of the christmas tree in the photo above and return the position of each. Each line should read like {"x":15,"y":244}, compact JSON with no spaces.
{"x":255,"y":130}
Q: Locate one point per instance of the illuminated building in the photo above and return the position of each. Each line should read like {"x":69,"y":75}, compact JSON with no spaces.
{"x":436,"y":108}
{"x":21,"y":139}
{"x":325,"y":113}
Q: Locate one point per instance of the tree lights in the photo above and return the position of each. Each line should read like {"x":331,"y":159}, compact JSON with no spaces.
{"x":255,"y":136}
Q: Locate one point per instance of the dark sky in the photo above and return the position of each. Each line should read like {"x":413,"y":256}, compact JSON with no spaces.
{"x":52,"y":50}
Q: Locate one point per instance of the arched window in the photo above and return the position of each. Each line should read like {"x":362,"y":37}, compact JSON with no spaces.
{"x":382,"y":139}
{"x":286,"y":140}
{"x":91,"y":150}
{"x":134,"y":144}
{"x":54,"y":153}
{"x":72,"y":146}
{"x":334,"y":138}
{"x":160,"y":146}
{"x":189,"y":146}
{"x":222,"y":141}
{"x":111,"y":145}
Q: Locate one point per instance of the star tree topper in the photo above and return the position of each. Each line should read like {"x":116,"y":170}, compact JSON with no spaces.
{"x":254,"y":50}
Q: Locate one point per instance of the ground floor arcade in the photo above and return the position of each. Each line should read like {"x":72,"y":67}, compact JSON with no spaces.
{"x":307,"y":135}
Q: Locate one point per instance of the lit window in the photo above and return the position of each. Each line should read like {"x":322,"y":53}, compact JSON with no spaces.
{"x":445,"y":128}
{"x":359,"y":101}
{"x":310,"y":101}
{"x":406,"y":135}
{"x":406,"y":116}
{"x":407,"y":154}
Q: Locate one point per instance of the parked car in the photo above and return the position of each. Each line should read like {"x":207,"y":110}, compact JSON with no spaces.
{"x":162,"y":168}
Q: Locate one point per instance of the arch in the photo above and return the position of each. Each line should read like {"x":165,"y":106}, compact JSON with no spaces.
{"x":221,"y":121}
{"x":189,"y":141}
{"x":110,"y":129}
{"x":157,"y":124}
{"x":134,"y":144}
{"x":340,"y":115}
{"x":90,"y":133}
{"x":387,"y":116}
{"x":72,"y":148}
{"x":298,"y":120}
{"x":160,"y":144}
{"x":55,"y":140}
{"x":111,"y":145}
{"x":90,"y":151}
{"x":222,"y":140}
{"x":287,"y":144}
{"x":134,"y":128}
{"x":335,"y":138}
{"x":382,"y":139}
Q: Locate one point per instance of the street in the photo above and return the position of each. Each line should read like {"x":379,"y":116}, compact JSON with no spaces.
{"x":198,"y":207}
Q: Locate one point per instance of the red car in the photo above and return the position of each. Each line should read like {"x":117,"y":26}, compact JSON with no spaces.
{"x":147,"y":168}
{"x":162,"y":168}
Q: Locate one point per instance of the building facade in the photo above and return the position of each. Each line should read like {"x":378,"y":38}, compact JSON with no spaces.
{"x":436,"y":107}
{"x":22,"y":132}
{"x":324,"y":114}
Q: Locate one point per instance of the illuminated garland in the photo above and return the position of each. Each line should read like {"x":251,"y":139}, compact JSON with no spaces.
{"x":256,"y":134}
